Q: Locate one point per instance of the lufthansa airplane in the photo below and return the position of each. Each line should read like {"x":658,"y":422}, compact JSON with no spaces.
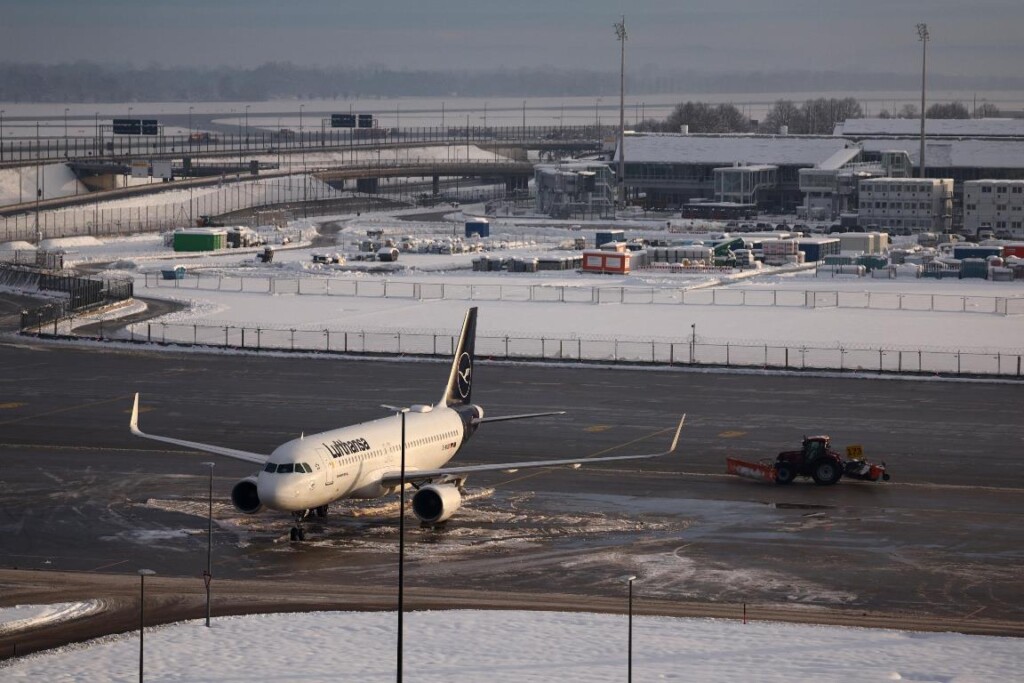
{"x":305,"y":475}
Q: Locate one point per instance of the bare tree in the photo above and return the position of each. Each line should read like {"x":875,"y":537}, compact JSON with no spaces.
{"x":908,"y":111}
{"x":701,"y":117}
{"x":987,"y":110}
{"x":953,"y":110}
{"x":783,"y":113}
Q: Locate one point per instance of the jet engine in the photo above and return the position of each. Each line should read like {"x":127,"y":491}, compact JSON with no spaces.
{"x":435,"y":503}
{"x":245,"y":497}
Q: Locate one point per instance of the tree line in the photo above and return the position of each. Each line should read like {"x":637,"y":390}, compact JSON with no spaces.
{"x":812,"y":117}
{"x":85,"y":81}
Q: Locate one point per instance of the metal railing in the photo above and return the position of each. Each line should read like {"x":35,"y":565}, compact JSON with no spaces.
{"x":694,"y":352}
{"x":179,"y":210}
{"x":549,"y":293}
{"x":102,"y":144}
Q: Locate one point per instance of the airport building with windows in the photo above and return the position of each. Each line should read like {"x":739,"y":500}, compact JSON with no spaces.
{"x":902,"y":206}
{"x":994,"y":205}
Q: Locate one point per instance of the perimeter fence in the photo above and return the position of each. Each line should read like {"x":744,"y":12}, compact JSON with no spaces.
{"x":551,"y":293}
{"x":695,"y":352}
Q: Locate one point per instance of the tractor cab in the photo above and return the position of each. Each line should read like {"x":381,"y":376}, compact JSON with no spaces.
{"x":815,"y":459}
{"x":815,"y":446}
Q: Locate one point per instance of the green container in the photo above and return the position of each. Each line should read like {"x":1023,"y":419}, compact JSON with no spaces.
{"x":196,"y":240}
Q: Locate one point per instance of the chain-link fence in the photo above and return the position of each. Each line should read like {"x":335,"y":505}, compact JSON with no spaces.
{"x":653,"y":352}
{"x":549,"y":293}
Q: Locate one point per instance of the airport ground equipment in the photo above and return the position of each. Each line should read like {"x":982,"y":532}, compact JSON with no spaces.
{"x":816,"y":460}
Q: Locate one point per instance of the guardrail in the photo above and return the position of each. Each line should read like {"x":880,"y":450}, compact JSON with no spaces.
{"x":547,"y":293}
{"x":178,"y":209}
{"x":693,"y":352}
{"x":104,"y":145}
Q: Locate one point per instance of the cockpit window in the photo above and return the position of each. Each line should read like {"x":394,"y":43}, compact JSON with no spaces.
{"x":302,"y":467}
{"x":285,"y":469}
{"x":271,"y":467}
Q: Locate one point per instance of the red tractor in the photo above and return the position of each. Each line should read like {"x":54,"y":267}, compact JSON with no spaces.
{"x":815,"y":459}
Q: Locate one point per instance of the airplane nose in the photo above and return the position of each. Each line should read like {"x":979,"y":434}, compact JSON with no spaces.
{"x":278,"y":494}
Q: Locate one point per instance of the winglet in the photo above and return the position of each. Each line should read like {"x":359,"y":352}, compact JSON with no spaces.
{"x":134,"y":424}
{"x":675,"y":439}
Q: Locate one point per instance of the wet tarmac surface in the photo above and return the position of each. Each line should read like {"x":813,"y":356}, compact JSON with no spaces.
{"x":943,"y":539}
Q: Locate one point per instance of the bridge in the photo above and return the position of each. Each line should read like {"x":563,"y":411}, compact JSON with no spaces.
{"x":124,"y":148}
{"x":515,"y":173}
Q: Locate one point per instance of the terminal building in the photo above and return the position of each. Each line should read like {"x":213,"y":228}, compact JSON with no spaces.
{"x":902,"y":206}
{"x":820,"y":177}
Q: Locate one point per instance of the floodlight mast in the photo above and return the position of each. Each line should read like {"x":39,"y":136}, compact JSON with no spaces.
{"x":922,"y":35}
{"x":620,"y":34}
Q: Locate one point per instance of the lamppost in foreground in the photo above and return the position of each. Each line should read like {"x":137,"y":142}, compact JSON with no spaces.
{"x":208,"y":574}
{"x":143,"y":573}
{"x":629,"y":665}
{"x":401,"y":547}
{"x":922,"y":35}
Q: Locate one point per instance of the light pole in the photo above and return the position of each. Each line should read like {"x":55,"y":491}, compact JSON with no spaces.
{"x":620,"y":33}
{"x":208,"y":574}
{"x":66,"y":109}
{"x":247,"y":126}
{"x":190,"y":122}
{"x":1,"y":134}
{"x":922,"y":35}
{"x":629,"y":647}
{"x":401,"y":546}
{"x":143,"y":573}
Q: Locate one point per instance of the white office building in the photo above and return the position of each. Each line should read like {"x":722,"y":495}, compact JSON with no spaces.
{"x":905,"y":206}
{"x":996,"y":205}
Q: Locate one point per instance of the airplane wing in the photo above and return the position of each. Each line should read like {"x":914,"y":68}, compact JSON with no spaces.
{"x":395,"y":478}
{"x":219,"y":450}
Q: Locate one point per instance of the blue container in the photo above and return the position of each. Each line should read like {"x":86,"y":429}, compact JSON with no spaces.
{"x":609,"y":236}
{"x":175,"y":273}
{"x":480,"y":228}
{"x":975,"y":251}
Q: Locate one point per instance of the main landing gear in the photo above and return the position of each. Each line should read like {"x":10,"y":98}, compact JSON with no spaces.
{"x":297,"y":533}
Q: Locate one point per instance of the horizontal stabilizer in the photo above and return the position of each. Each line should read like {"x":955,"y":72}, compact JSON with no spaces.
{"x":524,"y":416}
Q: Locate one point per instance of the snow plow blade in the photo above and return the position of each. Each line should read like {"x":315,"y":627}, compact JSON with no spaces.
{"x":751,"y":470}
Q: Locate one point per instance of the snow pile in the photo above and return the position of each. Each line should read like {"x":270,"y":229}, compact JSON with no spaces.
{"x":18,"y":245}
{"x":504,"y":646}
{"x":20,"y":617}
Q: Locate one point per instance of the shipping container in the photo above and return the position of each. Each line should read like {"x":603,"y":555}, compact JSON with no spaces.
{"x":200,"y":239}
{"x":479,"y":227}
{"x":606,"y":262}
{"x":817,"y":249}
{"x":973,"y":251}
{"x":609,"y":236}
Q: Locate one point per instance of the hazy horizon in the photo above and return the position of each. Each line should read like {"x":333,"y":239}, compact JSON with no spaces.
{"x":967,"y":39}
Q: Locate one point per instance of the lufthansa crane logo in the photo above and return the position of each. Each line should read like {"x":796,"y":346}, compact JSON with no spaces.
{"x":464,"y":375}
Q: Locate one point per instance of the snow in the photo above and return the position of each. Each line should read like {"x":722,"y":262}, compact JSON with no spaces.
{"x":562,"y":305}
{"x":499,"y":646}
{"x":21,"y":617}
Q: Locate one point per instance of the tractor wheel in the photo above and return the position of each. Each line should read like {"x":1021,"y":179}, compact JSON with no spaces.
{"x":784,"y":473}
{"x":827,"y":472}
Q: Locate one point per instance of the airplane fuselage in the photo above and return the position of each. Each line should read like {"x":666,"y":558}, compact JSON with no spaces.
{"x":349,"y":462}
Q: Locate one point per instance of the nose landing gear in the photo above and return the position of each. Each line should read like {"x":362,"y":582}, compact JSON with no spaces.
{"x":297,"y":533}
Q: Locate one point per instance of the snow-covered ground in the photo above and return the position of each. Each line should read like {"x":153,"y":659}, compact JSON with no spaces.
{"x":557,"y":304}
{"x":500,"y":646}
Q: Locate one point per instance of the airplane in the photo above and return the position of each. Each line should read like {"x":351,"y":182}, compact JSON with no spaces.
{"x":305,"y":475}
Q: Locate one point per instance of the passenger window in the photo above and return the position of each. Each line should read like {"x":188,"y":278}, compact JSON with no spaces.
{"x":285,"y":469}
{"x":271,"y":467}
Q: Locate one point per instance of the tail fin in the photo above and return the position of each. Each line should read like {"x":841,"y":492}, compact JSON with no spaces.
{"x":460,"y":379}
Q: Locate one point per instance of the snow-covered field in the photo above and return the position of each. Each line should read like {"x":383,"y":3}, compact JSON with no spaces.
{"x":558,"y":304}
{"x":500,"y":646}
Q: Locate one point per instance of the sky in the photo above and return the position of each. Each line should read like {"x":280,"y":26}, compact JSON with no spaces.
{"x":978,"y":38}
{"x":500,"y":646}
